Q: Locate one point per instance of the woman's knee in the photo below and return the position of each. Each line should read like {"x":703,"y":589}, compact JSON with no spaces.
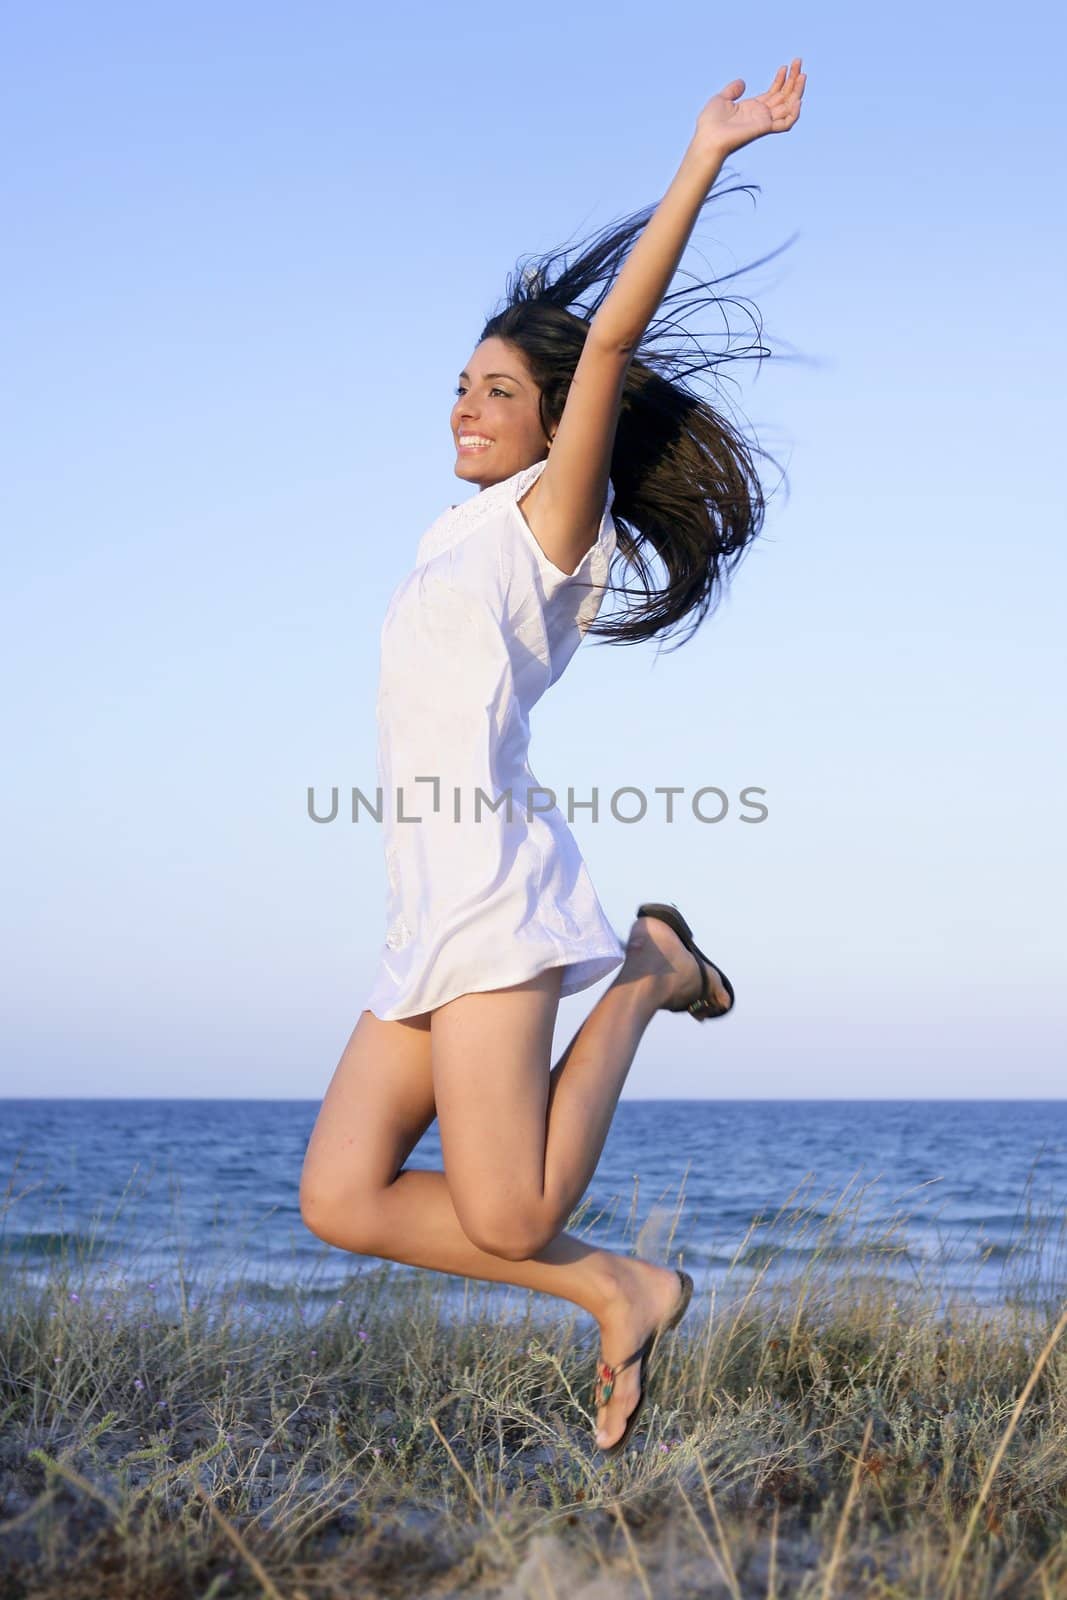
{"x":514,"y":1236}
{"x":338,"y":1217}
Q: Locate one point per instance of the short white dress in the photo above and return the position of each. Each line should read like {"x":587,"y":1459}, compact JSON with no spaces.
{"x":486,"y":885}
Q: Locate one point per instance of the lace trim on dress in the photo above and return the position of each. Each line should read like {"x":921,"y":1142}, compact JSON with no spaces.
{"x":456,"y":522}
{"x":399,"y":933}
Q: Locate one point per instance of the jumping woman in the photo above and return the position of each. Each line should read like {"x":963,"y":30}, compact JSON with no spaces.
{"x":583,"y":447}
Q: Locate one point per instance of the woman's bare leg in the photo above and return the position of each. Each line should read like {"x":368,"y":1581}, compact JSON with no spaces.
{"x":382,"y":1099}
{"x":520,"y":1145}
{"x":353,"y":1194}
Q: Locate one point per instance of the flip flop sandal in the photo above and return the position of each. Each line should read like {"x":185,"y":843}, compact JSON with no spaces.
{"x":702,"y":1009}
{"x":606,"y":1375}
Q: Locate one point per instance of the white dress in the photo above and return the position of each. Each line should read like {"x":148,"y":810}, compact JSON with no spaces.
{"x":479,"y":899}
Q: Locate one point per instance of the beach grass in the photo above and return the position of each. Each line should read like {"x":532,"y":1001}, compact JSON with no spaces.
{"x":837,"y":1433}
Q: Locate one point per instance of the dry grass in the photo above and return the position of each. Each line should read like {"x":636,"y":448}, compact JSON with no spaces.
{"x":835,"y":1437}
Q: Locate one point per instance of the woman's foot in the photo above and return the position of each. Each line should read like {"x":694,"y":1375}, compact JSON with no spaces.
{"x":655,"y":954}
{"x":643,"y":1297}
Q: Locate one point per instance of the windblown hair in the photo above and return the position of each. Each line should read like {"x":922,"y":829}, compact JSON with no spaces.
{"x":686,"y":488}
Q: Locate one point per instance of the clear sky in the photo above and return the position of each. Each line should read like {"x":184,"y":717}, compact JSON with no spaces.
{"x":248,"y":248}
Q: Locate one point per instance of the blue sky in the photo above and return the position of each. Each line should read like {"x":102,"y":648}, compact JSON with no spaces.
{"x":247,"y":250}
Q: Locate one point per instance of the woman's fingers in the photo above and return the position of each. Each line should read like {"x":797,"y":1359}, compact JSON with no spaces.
{"x":780,"y":102}
{"x":794,"y":87}
{"x":785,"y":80}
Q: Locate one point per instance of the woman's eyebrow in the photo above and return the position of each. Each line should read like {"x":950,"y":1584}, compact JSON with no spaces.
{"x":466,"y":374}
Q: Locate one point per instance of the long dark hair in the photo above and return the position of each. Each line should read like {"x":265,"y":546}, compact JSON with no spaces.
{"x":686,"y":488}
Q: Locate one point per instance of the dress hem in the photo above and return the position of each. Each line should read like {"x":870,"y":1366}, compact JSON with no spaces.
{"x":606,"y":961}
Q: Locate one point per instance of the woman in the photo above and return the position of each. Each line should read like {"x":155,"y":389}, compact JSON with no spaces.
{"x":492,"y":913}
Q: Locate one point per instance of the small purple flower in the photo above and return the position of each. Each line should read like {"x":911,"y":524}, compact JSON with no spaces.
{"x":75,"y":1298}
{"x":56,"y":1359}
{"x":160,"y":1405}
{"x":314,"y":1352}
{"x":363,"y":1333}
{"x":137,"y":1383}
{"x":153,"y":1287}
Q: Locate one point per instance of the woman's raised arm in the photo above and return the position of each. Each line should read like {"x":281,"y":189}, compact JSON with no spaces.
{"x":571,"y":490}
{"x":722,"y":127}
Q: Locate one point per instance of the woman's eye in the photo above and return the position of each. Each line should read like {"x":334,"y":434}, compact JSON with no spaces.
{"x":459,"y":389}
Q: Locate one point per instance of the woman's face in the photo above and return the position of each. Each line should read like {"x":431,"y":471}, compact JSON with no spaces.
{"x":496,"y":426}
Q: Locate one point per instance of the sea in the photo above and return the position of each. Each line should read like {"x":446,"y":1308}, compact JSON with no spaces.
{"x":964,"y":1201}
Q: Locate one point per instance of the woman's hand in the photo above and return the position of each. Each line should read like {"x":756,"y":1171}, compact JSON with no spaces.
{"x":726,"y":123}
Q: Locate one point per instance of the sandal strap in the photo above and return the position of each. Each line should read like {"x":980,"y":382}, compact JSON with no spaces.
{"x":614,"y":1371}
{"x":606,"y":1374}
{"x":668,"y":912}
{"x":699,"y":1006}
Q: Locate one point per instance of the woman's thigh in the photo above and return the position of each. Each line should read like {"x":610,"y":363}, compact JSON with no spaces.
{"x":379,"y":1104}
{"x":491,"y":1060}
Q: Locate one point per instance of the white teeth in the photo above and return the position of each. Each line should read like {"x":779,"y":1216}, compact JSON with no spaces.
{"x":473,"y":438}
